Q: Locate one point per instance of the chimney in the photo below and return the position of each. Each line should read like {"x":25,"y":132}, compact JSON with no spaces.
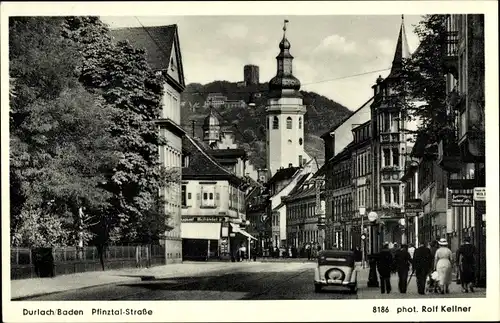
{"x":290,"y":165}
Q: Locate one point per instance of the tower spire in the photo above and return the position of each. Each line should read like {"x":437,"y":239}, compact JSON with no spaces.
{"x":402,"y":50}
{"x":284,"y":27}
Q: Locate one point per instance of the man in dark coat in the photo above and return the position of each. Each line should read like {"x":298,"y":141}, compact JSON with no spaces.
{"x":422,"y":265}
{"x":384,"y":266}
{"x":466,"y":264}
{"x":402,"y":261}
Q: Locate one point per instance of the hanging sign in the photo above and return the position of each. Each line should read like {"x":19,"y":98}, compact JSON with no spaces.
{"x":462,"y":199}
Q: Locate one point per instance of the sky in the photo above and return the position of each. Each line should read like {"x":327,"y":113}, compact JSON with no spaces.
{"x":325,"y":47}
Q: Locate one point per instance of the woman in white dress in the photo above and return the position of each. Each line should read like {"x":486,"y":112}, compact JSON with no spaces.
{"x":442,"y":264}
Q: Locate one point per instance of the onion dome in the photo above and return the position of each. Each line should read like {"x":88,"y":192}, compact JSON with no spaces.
{"x":284,"y":84}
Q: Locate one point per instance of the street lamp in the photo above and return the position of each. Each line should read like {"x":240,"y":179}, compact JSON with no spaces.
{"x":362,"y":211}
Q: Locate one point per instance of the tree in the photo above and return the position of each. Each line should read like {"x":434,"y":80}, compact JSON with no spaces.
{"x":120,"y":74}
{"x":59,"y":144}
{"x":422,"y":87}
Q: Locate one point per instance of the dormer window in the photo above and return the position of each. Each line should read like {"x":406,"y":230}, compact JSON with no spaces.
{"x":185,"y":161}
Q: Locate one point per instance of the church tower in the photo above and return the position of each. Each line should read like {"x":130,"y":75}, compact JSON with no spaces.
{"x":211,"y":129}
{"x":284,"y":114}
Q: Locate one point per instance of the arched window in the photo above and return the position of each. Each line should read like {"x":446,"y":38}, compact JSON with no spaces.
{"x":300,"y":123}
{"x":276,"y":123}
{"x":300,"y":141}
{"x":289,"y":123}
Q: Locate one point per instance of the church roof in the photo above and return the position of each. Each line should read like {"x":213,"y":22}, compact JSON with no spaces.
{"x":402,"y":51}
{"x":156,"y":41}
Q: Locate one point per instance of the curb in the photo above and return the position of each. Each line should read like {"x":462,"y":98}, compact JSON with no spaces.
{"x":27,"y":297}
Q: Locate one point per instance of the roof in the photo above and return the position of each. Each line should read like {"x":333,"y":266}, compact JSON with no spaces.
{"x":402,"y":51}
{"x":157,"y":42}
{"x":283,"y":174}
{"x":344,"y":154}
{"x":202,"y":165}
{"x":346,"y":118}
{"x":227,"y":153}
{"x":305,"y":189}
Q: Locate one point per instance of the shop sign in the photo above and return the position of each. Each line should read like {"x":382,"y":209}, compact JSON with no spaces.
{"x":203,"y":219}
{"x":462,"y":199}
{"x":479,"y":194}
{"x":413,"y":206}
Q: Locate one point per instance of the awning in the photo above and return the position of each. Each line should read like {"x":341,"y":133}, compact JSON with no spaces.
{"x":237,"y":229}
{"x":194,"y":230}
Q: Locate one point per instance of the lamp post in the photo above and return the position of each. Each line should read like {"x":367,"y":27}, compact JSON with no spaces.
{"x":362,"y":211}
{"x":320,"y":212}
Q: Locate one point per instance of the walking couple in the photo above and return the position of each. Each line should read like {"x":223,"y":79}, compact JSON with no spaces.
{"x":387,"y":263}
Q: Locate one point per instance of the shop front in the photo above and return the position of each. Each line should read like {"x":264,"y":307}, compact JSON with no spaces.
{"x":203,"y":238}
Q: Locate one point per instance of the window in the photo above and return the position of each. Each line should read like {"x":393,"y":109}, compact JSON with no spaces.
{"x":183,"y":195}
{"x":395,"y":123}
{"x":185,"y":161}
{"x":387,"y":195}
{"x":276,"y":123}
{"x":300,"y":160}
{"x":386,"y":122}
{"x":289,"y":123}
{"x":395,"y":192}
{"x":395,"y":156}
{"x":208,"y":193}
{"x":387,"y":157}
{"x":300,"y":141}
{"x":300,"y":123}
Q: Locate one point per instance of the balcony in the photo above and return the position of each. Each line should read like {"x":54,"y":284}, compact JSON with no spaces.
{"x":449,"y":154}
{"x":451,"y":58}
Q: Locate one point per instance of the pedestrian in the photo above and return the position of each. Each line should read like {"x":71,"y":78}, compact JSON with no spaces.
{"x":466,"y":265}
{"x":411,"y":250}
{"x":402,"y":260}
{"x":308,"y":251}
{"x":422,"y":265}
{"x":384,"y":266}
{"x":442,"y":264}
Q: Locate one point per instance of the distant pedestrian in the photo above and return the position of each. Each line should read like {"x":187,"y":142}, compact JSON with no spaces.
{"x":384,"y":266}
{"x":442,"y":264}
{"x":422,"y":265}
{"x":308,"y":251}
{"x":466,"y":264}
{"x":402,"y":261}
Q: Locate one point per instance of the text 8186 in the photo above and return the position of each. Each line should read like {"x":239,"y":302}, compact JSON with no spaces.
{"x":380,"y":309}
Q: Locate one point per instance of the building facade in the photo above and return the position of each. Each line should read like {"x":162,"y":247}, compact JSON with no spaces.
{"x":215,"y":100}
{"x":361,"y":182}
{"x":301,"y":214}
{"x":462,"y":151}
{"x":389,"y":145}
{"x":213,"y":205}
{"x":166,"y":61}
{"x":339,"y":201}
{"x":284,"y":115}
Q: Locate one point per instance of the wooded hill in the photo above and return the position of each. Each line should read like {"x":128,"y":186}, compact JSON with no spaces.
{"x":248,"y":124}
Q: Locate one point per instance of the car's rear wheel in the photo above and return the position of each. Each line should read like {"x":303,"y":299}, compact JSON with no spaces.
{"x":317,"y":288}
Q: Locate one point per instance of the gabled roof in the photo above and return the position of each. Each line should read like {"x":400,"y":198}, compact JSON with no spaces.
{"x":283,"y":174}
{"x":158,"y":42}
{"x":347,"y":118}
{"x":202,"y":166}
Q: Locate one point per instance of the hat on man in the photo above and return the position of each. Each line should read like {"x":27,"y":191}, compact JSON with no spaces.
{"x":443,"y":242}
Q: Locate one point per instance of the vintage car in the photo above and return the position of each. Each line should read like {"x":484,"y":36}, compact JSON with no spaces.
{"x":336,"y":268}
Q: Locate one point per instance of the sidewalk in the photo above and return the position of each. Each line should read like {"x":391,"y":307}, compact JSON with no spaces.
{"x":23,"y":288}
{"x":365,"y":292}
